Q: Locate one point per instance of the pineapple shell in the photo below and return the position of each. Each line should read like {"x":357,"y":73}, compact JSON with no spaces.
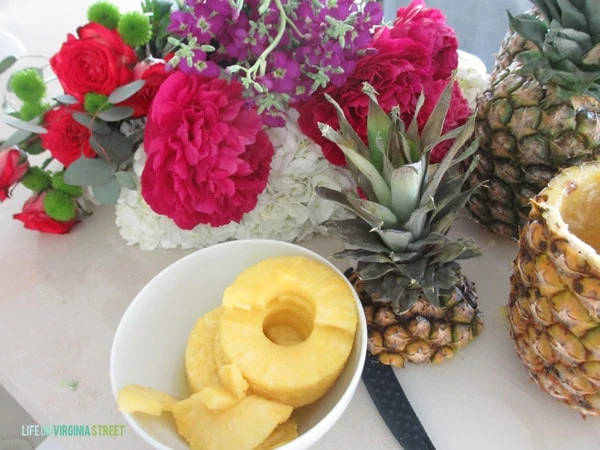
{"x":554,"y":304}
{"x":526,"y":133}
{"x":424,"y":333}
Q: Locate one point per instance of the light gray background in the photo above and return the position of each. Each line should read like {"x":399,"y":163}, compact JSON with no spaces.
{"x":480,"y":25}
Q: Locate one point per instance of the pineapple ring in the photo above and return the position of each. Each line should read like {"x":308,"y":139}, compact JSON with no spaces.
{"x":200,"y":363}
{"x":289,"y":324}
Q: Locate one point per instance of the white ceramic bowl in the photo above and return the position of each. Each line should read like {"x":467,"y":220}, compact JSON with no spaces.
{"x":149,"y":345}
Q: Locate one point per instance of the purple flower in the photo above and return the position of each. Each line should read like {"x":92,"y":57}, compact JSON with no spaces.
{"x":181,"y":23}
{"x":282,"y":73}
{"x":200,"y":65}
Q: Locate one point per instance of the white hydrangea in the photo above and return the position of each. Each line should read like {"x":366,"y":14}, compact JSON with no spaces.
{"x":472,"y":76}
{"x":288,"y":209}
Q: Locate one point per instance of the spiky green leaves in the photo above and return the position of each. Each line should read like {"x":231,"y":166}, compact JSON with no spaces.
{"x":568,"y":44}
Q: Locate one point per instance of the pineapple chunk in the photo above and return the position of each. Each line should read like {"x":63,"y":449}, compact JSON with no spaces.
{"x":243,"y":427}
{"x":200,"y":364}
{"x":217,"y":397}
{"x":284,"y":433}
{"x":135,"y":398}
{"x":231,"y":378}
{"x":289,"y":325}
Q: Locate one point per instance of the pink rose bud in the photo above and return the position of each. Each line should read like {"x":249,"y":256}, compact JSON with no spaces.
{"x":13,"y":165}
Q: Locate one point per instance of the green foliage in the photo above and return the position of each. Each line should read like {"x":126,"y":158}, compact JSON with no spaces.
{"x":135,"y":29}
{"x":60,"y":206}
{"x":28,"y":85}
{"x":36,"y":179}
{"x":104,"y":13}
{"x":58,"y":183}
{"x":94,"y":103}
{"x":159,"y":12}
{"x":31,"y":110}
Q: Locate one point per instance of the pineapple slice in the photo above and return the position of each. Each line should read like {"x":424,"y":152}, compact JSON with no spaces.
{"x":217,"y":397}
{"x":243,"y":427}
{"x":200,"y":364}
{"x":135,"y":398}
{"x":289,"y":324}
{"x":232,"y":379}
{"x":284,"y":433}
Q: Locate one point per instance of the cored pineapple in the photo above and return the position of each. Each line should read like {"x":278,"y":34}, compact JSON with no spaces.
{"x":243,"y":427}
{"x":289,"y":325}
{"x":200,"y":364}
{"x":554,"y":305}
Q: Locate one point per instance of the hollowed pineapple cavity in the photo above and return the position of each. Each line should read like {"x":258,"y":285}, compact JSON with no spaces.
{"x":289,"y":319}
{"x":289,"y":325}
{"x":579,"y":208}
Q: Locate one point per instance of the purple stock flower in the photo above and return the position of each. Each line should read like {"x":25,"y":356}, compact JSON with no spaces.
{"x":282,"y":73}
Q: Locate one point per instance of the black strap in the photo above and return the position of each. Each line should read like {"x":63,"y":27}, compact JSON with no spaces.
{"x":394,"y":407}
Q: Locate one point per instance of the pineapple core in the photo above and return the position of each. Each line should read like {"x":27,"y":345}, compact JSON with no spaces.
{"x":579,"y":209}
{"x":289,"y":320}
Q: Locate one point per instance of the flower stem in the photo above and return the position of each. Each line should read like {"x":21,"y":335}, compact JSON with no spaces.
{"x":47,"y":162}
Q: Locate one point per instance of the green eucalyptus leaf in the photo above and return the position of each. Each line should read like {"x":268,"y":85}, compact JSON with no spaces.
{"x":88,"y":172}
{"x":15,"y":139}
{"x":122,"y":93}
{"x":97,"y":126}
{"x":66,"y":99}
{"x":126,"y":180}
{"x":116,"y":113}
{"x":113,"y":147}
{"x":7,"y":63}
{"x":107,"y":193}
{"x":31,"y":126}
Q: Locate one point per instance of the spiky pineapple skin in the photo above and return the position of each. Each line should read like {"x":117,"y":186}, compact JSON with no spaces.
{"x":424,"y":333}
{"x":554,"y":313}
{"x":526,"y":133}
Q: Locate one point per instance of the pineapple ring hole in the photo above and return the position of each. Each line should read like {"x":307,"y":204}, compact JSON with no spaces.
{"x":289,"y":320}
{"x":579,"y":210}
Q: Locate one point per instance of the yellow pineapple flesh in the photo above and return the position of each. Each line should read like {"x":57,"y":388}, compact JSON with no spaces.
{"x":135,"y":398}
{"x":289,"y":325}
{"x":233,"y":380}
{"x":242,"y":427}
{"x":200,"y":363}
{"x":217,"y":397}
{"x":554,"y":304}
{"x":284,"y":433}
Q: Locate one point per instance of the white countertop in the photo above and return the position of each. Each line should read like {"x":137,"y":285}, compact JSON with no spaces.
{"x":63,"y":296}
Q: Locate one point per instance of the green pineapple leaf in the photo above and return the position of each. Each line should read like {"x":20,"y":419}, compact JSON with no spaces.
{"x":363,"y":255}
{"x":573,"y":17}
{"x":347,"y":130}
{"x":405,"y":186}
{"x":435,"y":123}
{"x":412,"y":133}
{"x":355,"y":232}
{"x":397,"y":240}
{"x":529,"y":27}
{"x":380,"y":187}
{"x":592,"y":12}
{"x":378,"y":127}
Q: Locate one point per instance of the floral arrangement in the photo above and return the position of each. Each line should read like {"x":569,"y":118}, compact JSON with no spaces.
{"x":200,"y":121}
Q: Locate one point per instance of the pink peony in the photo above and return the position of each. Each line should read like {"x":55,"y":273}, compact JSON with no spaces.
{"x":208,"y":157}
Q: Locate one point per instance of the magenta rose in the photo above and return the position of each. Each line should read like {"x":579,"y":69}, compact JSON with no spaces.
{"x":208,"y":157}
{"x":13,"y":165}
{"x":428,"y":27}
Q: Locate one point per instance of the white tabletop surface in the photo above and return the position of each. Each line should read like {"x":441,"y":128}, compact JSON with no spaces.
{"x":61,"y":298}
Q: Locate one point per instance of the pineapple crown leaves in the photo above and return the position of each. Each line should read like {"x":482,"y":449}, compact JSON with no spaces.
{"x":400,"y":230}
{"x":567,"y":37}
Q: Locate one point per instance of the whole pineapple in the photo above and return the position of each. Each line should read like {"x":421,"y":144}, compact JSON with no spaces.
{"x":554,"y":305}
{"x":540,"y":112}
{"x":418,"y":305}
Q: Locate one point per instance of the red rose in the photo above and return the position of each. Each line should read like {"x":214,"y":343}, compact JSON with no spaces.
{"x":208,"y":157}
{"x":428,"y":27}
{"x":66,"y":138}
{"x":99,"y":61}
{"x":34,"y":217}
{"x":153,"y":74}
{"x":13,"y":165}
